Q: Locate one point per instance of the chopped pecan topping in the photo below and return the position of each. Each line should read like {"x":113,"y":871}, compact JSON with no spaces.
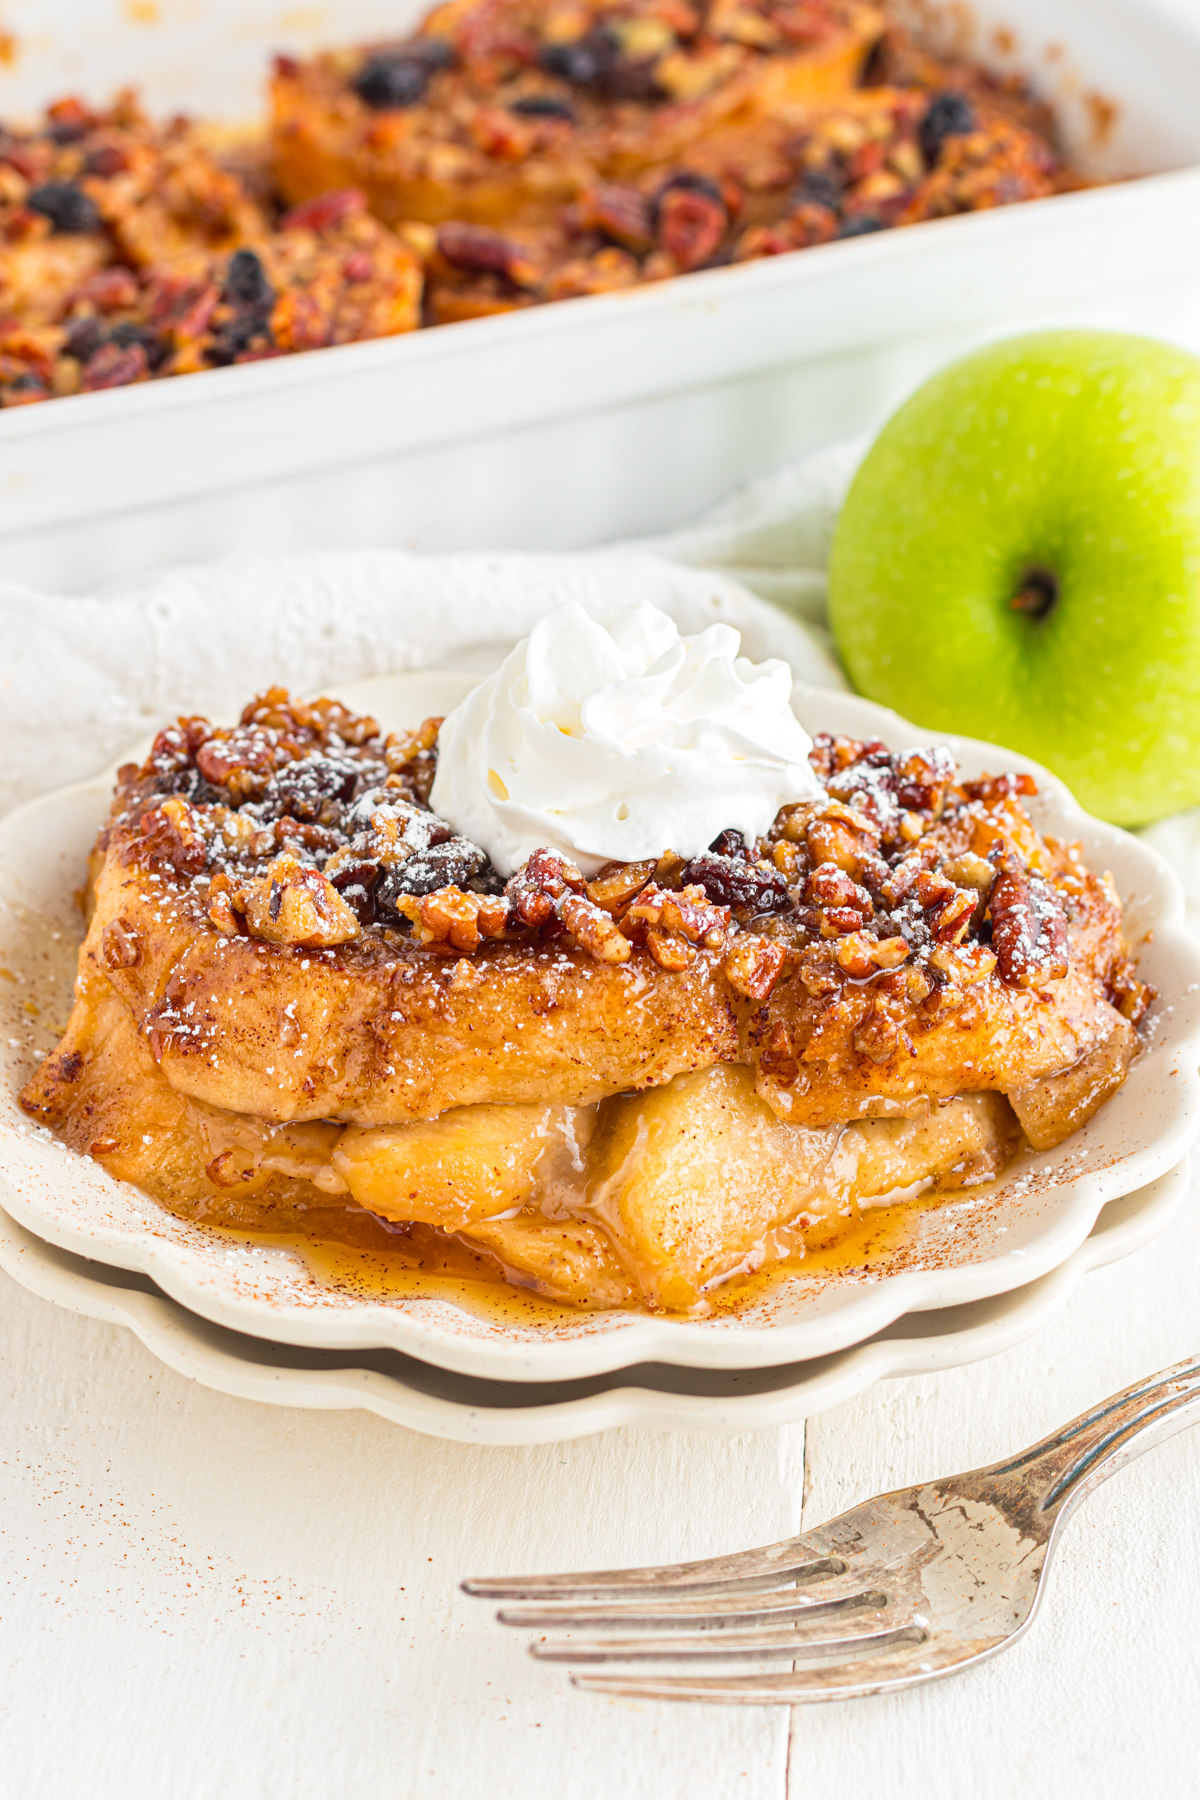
{"x":412,"y":758}
{"x":119,"y":946}
{"x":595,"y":929}
{"x":963,"y":964}
{"x":454,"y":918}
{"x":754,"y":965}
{"x":241,"y":760}
{"x":1130,"y":996}
{"x":778,"y":1059}
{"x":1029,"y":929}
{"x":536,"y":889}
{"x":171,"y":834}
{"x":670,"y":922}
{"x":829,"y":886}
{"x":294,"y":903}
{"x":620,"y":213}
{"x":862,"y":956}
{"x":478,"y":248}
{"x":880,"y":1034}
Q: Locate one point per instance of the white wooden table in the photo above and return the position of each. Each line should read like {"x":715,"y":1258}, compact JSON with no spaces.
{"x":200,"y":1596}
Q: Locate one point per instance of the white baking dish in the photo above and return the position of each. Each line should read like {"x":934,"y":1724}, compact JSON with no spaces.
{"x":602,"y":417}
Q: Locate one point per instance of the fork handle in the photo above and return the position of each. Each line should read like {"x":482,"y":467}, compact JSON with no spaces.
{"x":1060,"y":1471}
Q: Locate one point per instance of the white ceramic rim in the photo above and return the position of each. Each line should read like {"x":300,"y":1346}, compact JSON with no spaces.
{"x":183,"y":1264}
{"x":467,"y":1410}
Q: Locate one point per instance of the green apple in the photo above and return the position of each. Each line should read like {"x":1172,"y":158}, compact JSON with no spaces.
{"x":1018,"y":559}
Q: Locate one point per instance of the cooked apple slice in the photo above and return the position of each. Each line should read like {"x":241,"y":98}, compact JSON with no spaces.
{"x":1052,"y":1109}
{"x":470,"y":1164}
{"x":561,"y":1259}
{"x":691,"y":1177}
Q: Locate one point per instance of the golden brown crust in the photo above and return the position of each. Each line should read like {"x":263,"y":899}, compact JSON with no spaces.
{"x":381,"y":1031}
{"x":284,"y":934}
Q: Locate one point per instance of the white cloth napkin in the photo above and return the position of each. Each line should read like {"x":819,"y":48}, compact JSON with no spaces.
{"x":82,"y":678}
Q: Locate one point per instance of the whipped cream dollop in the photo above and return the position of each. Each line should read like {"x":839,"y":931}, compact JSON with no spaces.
{"x":616,"y":740}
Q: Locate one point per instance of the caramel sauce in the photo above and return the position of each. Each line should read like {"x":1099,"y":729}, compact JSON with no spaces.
{"x":353,"y":1252}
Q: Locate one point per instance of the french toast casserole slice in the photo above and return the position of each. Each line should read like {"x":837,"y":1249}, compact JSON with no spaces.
{"x":301,"y":995}
{"x":507,"y":154}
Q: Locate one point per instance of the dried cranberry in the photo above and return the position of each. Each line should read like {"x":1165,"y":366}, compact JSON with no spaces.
{"x":106,"y":160}
{"x":247,"y":288}
{"x":112,"y":366}
{"x":731,"y":881}
{"x":597,"y":61}
{"x":66,"y":206}
{"x":950,"y":114}
{"x":730,"y":843}
{"x":820,"y":187}
{"x":356,"y":883}
{"x":84,"y":337}
{"x":455,"y":863}
{"x":691,"y":183}
{"x":23,"y":390}
{"x":862,"y":226}
{"x":249,"y":332}
{"x":543,"y":106}
{"x":301,"y":789}
{"x":125,"y":335}
{"x":395,"y":78}
{"x":583,"y":61}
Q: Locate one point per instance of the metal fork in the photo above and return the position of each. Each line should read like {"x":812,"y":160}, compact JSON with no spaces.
{"x":900,"y":1590}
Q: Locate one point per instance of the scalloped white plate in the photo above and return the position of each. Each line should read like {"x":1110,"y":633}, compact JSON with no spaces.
{"x":464,"y":1408}
{"x":973,"y":1247}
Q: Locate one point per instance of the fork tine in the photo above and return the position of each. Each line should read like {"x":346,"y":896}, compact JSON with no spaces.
{"x":771,"y":1566}
{"x":742,"y":1646}
{"x":878,"y":1674}
{"x":720,"y":1610}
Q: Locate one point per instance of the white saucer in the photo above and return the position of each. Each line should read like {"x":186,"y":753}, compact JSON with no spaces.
{"x":969,"y":1248}
{"x":664,"y":1398}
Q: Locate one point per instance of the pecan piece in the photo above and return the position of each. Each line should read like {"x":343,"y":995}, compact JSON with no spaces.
{"x":119,"y":946}
{"x":536,"y":889}
{"x":830,"y":886}
{"x":411,"y":758}
{"x":862,"y":956}
{"x":241,"y":760}
{"x":294,"y":903}
{"x":619,"y":883}
{"x":692,"y":220}
{"x":951,"y":920}
{"x":450,"y":917}
{"x":170,"y":834}
{"x":1029,"y":929}
{"x":670,"y":953}
{"x":620,"y":213}
{"x":754,"y":965}
{"x":447,"y":916}
{"x":478,"y":249}
{"x":963,"y":964}
{"x":778,"y":1059}
{"x":594,"y":928}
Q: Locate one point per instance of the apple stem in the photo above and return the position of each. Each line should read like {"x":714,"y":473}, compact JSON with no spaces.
{"x":1038,"y":593}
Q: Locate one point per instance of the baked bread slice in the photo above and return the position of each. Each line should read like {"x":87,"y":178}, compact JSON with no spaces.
{"x":300,"y":990}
